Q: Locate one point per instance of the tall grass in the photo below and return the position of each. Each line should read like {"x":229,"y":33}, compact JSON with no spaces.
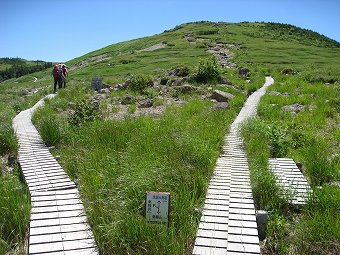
{"x":318,"y":231}
{"x":116,"y":162}
{"x":262,"y":179}
{"x":8,"y":140}
{"x":14,"y":213}
{"x":308,"y":136}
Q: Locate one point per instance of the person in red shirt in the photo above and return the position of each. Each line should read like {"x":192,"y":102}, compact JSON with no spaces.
{"x":56,"y":72}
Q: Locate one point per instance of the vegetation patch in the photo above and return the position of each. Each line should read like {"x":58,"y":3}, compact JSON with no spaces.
{"x":308,"y":137}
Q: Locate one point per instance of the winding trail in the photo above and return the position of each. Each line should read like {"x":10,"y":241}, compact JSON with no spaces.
{"x":228,"y":223}
{"x":58,"y":224}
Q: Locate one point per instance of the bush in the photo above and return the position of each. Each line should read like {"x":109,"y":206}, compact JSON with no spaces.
{"x":208,"y":70}
{"x":84,"y":111}
{"x":138,"y":83}
{"x":8,"y":140}
{"x":50,"y":131}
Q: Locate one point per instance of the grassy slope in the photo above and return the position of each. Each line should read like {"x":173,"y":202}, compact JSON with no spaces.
{"x":258,"y":48}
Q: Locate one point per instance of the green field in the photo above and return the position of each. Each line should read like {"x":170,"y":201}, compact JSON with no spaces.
{"x":118,"y":159}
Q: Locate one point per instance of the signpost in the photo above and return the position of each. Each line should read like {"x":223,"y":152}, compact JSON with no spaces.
{"x":157,"y":207}
{"x":96,"y":83}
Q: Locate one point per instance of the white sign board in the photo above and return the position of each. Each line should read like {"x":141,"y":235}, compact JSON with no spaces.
{"x":157,"y":205}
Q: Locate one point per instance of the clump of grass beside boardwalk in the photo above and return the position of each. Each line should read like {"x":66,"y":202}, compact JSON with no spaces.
{"x":309,"y":135}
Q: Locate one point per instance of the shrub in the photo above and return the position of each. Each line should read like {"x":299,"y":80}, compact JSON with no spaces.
{"x":208,"y":70}
{"x":84,"y":111}
{"x":140,"y":82}
{"x":50,"y":131}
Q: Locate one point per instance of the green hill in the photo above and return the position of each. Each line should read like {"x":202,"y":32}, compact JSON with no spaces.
{"x":17,"y":67}
{"x":116,"y":149}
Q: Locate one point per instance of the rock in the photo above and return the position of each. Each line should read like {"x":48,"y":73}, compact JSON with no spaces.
{"x":221,"y":96}
{"x":185,"y":89}
{"x":99,"y":97}
{"x":244,"y":72}
{"x":220,"y":106}
{"x":294,"y":108}
{"x":105,"y":91}
{"x":71,"y":105}
{"x":127,"y":99}
{"x":224,"y":81}
{"x":179,"y":71}
{"x":146,"y":103}
{"x":274,"y":93}
{"x":106,"y":86}
{"x":122,"y":86}
{"x":11,"y":160}
{"x":164,"y":80}
{"x":180,"y":81}
{"x":288,"y":71}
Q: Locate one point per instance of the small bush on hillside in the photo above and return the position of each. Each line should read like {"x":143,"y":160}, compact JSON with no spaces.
{"x":84,"y":111}
{"x":208,"y":70}
{"x":8,"y":140}
{"x":140,"y":82}
{"x":50,"y":131}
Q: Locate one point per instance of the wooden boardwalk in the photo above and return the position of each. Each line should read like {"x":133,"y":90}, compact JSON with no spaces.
{"x":291,"y":179}
{"x":58,"y":224}
{"x":228,"y":223}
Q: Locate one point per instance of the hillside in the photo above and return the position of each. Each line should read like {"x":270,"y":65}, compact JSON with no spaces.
{"x":17,"y":67}
{"x":155,"y":126}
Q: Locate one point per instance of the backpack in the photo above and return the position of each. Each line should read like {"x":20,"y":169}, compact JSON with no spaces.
{"x":57,"y":71}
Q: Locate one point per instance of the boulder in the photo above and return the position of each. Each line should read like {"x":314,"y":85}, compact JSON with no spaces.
{"x":221,"y":96}
{"x":71,"y":105}
{"x":180,"y":71}
{"x":164,"y":80}
{"x":294,"y":108}
{"x":127,"y":99}
{"x":105,"y":91}
{"x":220,"y":106}
{"x":180,"y":81}
{"x":224,"y":81}
{"x":274,"y":93}
{"x":244,"y":72}
{"x":185,"y":89}
{"x":122,"y":86}
{"x":146,"y":103}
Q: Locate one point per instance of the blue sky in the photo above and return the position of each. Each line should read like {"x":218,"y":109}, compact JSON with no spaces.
{"x":54,"y":30}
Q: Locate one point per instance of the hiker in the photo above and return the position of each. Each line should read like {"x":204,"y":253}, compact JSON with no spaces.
{"x":64,"y":74}
{"x":57,"y":73}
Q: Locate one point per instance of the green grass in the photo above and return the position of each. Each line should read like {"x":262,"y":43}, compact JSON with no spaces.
{"x":117,"y":161}
{"x":310,"y":137}
{"x":14,"y":213}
